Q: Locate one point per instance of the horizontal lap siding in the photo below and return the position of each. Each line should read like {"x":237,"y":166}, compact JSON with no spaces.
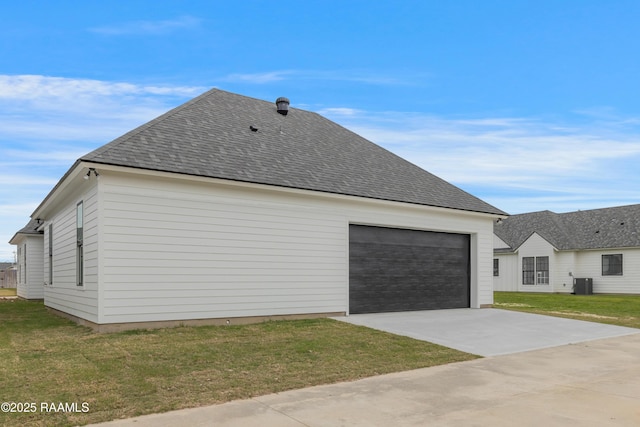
{"x":482,"y":262}
{"x":565,"y":263}
{"x":64,"y":294}
{"x":536,"y":246}
{"x":32,"y":280}
{"x":35,"y":273}
{"x":589,"y":264}
{"x":508,"y":277}
{"x":174,"y":251}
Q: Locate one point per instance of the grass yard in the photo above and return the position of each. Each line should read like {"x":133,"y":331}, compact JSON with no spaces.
{"x":47,"y":359}
{"x":622,"y":310}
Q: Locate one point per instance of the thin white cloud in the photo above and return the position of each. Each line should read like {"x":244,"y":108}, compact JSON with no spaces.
{"x":334,"y":75}
{"x":258,"y":78}
{"x":550,"y":164}
{"x":399,"y":78}
{"x":8,"y":209}
{"x":148,"y":27}
{"x":608,"y":117}
{"x":48,"y":108}
{"x":581,"y":199}
{"x":340,"y":111}
{"x":39,"y":153}
{"x":519,"y":164}
{"x":26,"y":180}
{"x":26,"y":87}
{"x":49,"y":122}
{"x":54,"y":109}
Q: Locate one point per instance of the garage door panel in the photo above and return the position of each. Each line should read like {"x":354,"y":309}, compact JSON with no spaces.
{"x":399,"y":270}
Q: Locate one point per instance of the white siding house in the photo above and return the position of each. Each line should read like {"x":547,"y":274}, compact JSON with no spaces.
{"x":71,"y":286}
{"x":602,"y":245}
{"x":29,"y":261}
{"x":197,"y":217}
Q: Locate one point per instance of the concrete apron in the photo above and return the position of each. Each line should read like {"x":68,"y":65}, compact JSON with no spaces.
{"x":594,"y":383}
{"x":488,"y":332}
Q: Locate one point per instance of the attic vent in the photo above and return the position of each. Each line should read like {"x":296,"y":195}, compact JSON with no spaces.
{"x":282,"y":105}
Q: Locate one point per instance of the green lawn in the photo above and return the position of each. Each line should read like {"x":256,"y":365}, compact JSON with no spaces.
{"x":48,"y":359}
{"x":623,"y":310}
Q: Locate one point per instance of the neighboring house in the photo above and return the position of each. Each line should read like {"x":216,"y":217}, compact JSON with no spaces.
{"x":30,"y":278}
{"x":8,"y":277}
{"x":235,"y":209}
{"x":545,"y":251}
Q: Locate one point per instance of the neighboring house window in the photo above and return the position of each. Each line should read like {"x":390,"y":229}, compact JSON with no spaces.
{"x":542,"y":270}
{"x":528,"y":270}
{"x":535,"y":270}
{"x":50,"y":254}
{"x":612,"y":265}
{"x":496,"y":267}
{"x":80,"y":246}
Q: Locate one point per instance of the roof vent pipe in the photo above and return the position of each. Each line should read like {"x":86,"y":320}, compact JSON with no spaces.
{"x":282,"y":105}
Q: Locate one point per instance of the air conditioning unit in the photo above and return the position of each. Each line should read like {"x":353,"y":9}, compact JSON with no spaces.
{"x":583,"y":286}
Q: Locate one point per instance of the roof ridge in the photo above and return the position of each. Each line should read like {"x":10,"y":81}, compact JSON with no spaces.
{"x":224,"y":135}
{"x":559,"y":221}
{"x":613,"y":227}
{"x":611,"y":208}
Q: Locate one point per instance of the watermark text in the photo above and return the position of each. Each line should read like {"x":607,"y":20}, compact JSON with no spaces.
{"x":44,"y":407}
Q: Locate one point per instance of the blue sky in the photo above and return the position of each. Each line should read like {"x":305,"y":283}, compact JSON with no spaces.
{"x":529,"y":105}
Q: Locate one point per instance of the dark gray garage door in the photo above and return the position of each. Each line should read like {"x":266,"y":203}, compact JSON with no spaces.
{"x":401,"y":270}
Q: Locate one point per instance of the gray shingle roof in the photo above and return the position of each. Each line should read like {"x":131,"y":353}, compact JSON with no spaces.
{"x":617,"y":227}
{"x":30,"y":228}
{"x":214,"y":136}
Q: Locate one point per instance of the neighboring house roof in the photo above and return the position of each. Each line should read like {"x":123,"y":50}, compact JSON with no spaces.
{"x":5,"y":265}
{"x":30,"y":228}
{"x":228,"y":136}
{"x":617,"y":227}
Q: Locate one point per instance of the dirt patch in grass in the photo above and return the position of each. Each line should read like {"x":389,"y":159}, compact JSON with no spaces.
{"x":511,"y":304}
{"x":578,"y":314}
{"x":8,"y":292}
{"x":49,"y":359}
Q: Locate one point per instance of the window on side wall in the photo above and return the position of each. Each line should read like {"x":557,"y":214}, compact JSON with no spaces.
{"x":80,"y":245}
{"x":496,"y":267}
{"x":50,"y":254}
{"x":528,"y":270}
{"x":535,"y":270}
{"x":612,"y":265}
{"x":542,"y":270}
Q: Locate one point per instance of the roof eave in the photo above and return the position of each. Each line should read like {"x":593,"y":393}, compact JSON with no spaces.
{"x":62,"y":185}
{"x":497,"y":214}
{"x":15,"y":238}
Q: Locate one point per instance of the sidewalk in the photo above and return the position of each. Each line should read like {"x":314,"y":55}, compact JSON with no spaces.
{"x":595,"y":383}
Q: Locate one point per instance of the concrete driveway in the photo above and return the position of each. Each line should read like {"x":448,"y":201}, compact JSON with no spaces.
{"x":536,"y":380}
{"x":488,"y":332}
{"x":595,"y":383}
